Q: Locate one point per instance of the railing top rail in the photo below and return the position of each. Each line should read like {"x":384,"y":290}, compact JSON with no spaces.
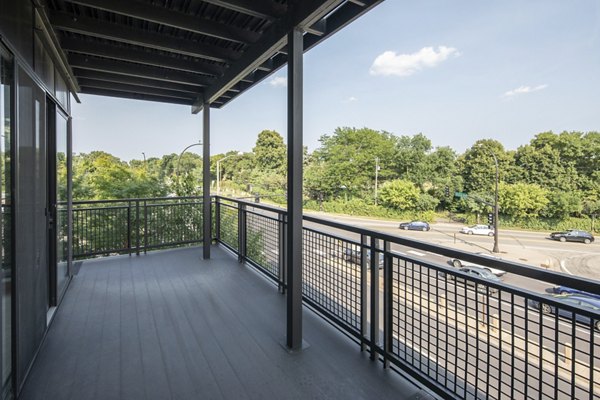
{"x":509,"y":266}
{"x":132,"y":200}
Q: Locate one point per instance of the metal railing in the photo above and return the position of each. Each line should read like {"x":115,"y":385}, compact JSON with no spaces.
{"x":106,"y":227}
{"x":460,"y":335}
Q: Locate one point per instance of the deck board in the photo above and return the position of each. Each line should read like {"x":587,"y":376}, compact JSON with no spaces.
{"x":169,"y":325}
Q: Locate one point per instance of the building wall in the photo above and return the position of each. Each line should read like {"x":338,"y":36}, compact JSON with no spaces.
{"x":38,"y":84}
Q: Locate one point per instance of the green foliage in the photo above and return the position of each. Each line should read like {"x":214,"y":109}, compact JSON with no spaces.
{"x":554,"y":177}
{"x":563,"y":204}
{"x":270,"y":151}
{"x":522,"y":200}
{"x":400,"y":194}
{"x":361,"y":207}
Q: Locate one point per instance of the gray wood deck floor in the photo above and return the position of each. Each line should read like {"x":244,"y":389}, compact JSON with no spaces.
{"x":169,"y":325}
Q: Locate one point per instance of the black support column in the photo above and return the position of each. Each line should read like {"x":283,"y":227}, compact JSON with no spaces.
{"x":206,"y":213}
{"x":294,"y":191}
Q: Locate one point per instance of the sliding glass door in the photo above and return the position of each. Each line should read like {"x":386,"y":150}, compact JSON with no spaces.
{"x":6,"y":221}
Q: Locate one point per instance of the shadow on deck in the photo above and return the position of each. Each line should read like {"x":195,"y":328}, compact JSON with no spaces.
{"x":169,"y":325}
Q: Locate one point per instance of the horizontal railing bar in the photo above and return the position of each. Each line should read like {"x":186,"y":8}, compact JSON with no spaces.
{"x":508,"y":266}
{"x":98,"y":208}
{"x":131,"y":199}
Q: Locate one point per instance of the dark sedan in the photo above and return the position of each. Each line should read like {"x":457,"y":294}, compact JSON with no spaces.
{"x":573,"y":235}
{"x":415,"y":226}
{"x":573,"y":300}
{"x":568,"y":290}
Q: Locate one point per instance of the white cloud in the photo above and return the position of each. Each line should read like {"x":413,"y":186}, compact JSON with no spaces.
{"x":390,"y":63}
{"x":524,"y":89}
{"x":350,"y":99}
{"x":278,"y":81}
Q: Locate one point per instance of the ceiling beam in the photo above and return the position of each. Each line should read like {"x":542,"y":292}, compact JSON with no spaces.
{"x":133,"y":80}
{"x":119,"y":33}
{"x":91,"y":83}
{"x":343,"y":16}
{"x":304,"y":13}
{"x":138,"y":70}
{"x":133,"y":96}
{"x":264,"y":9}
{"x":139,"y":56}
{"x":164,"y":16}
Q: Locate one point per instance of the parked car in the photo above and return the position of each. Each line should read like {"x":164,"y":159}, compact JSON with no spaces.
{"x":457,"y":263}
{"x":479,"y":273}
{"x":571,"y":299}
{"x":415,"y":226}
{"x":478,"y":230}
{"x":353,"y":256}
{"x":568,"y":290}
{"x":573,"y":235}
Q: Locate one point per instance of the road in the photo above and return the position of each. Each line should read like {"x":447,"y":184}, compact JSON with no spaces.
{"x":532,"y":248}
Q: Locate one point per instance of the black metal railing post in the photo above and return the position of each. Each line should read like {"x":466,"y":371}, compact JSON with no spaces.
{"x":374,"y":298}
{"x":145,"y":226}
{"x":388,"y":336}
{"x":129,"y":227}
{"x":364,"y":291}
{"x":241,"y":232}
{"x":217,"y":218}
{"x":137,"y":227}
{"x":281,"y":262}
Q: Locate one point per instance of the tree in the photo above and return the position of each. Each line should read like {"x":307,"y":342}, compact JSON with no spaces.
{"x":270,"y":151}
{"x":347,"y":159}
{"x":411,"y":158}
{"x":563,"y":204}
{"x":522,"y":200}
{"x":399,"y":194}
{"x":478,"y":168}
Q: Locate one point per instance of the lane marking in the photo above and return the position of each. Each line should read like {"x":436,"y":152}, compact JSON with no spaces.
{"x":564,"y":267}
{"x":416,"y":253}
{"x":436,"y":254}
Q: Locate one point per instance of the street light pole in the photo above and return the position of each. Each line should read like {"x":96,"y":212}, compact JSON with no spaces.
{"x":179,"y":159}
{"x":144,"y":154}
{"x":219,"y":169}
{"x":496,"y":248}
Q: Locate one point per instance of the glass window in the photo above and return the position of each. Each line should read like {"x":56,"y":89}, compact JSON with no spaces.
{"x":62,"y":242}
{"x":6,"y":86}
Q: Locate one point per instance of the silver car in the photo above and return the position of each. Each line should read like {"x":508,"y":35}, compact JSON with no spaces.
{"x":457,"y":263}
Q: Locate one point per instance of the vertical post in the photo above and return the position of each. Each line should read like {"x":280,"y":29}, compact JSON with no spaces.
{"x":145,"y":226}
{"x":206,"y":211}
{"x":217,"y":218}
{"x":129,"y":227}
{"x":364,"y":291}
{"x":241,"y":232}
{"x":137,"y":227}
{"x":387,"y":304}
{"x":281,"y":250}
{"x":374,"y":298}
{"x":294,"y":245}
{"x":376,"y":177}
{"x":69,"y":196}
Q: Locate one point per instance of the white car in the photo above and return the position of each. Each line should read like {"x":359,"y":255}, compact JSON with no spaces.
{"x":460,"y":264}
{"x":478,"y":230}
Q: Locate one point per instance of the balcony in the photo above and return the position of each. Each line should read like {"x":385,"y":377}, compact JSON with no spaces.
{"x":378,"y":323}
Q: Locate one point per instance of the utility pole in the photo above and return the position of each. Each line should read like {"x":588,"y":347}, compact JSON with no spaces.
{"x":376,"y":177}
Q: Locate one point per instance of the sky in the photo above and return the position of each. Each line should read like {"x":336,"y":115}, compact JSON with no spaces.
{"x":455,"y":71}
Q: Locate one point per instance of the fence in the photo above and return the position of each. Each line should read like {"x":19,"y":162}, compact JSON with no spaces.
{"x":461,"y":334}
{"x":129,"y":226}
